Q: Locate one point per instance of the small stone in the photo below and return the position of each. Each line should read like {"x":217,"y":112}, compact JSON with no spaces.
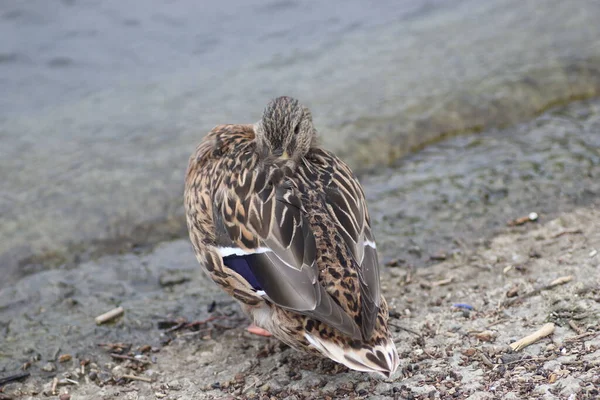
{"x":239,"y":377}
{"x":119,"y":371}
{"x":104,"y":376}
{"x":65,"y":396}
{"x":265,"y":388}
{"x":470,"y":352}
{"x":49,"y":367}
{"x":486,"y":336}
{"x":362,"y":388}
{"x":145,"y":348}
{"x":174,"y":385}
{"x":172,"y":278}
{"x":150,"y":373}
{"x":92,"y":375}
{"x":533,"y":216}
{"x":64,"y":358}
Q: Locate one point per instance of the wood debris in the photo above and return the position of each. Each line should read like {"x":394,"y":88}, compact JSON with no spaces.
{"x":109,"y":316}
{"x":559,"y":281}
{"x":544,"y":331}
{"x":137,"y":378}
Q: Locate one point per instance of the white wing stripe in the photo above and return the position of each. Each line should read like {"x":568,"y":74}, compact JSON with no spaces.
{"x":236,"y":251}
{"x":370,"y":244}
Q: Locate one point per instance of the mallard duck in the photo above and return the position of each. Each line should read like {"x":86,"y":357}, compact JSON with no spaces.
{"x":282,"y":226}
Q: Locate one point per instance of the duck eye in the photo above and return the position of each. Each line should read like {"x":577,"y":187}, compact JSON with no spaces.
{"x":297,"y":129}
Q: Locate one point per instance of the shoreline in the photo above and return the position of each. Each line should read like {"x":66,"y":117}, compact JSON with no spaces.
{"x":445,"y":350}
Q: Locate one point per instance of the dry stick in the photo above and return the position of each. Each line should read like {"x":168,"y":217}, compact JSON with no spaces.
{"x":122,"y":357}
{"x":582,"y":336}
{"x":12,"y":378}
{"x":485,"y":359}
{"x":112,"y":314}
{"x":559,"y":281}
{"x":545,"y":330}
{"x":573,"y":232}
{"x":534,"y":359}
{"x":574,"y":326}
{"x":187,"y":325}
{"x":54,"y":385}
{"x":137,"y":378}
{"x":442,"y":282}
{"x":404,"y":329}
{"x":500,"y":321}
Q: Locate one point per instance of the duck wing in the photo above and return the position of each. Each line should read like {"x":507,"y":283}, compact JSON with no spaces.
{"x":346,"y":203}
{"x":268,"y":241}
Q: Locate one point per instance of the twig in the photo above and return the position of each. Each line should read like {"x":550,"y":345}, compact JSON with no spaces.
{"x":122,"y":357}
{"x":404,"y":329}
{"x":442,"y":282}
{"x":188,"y":325}
{"x":109,"y":316}
{"x":559,"y":281}
{"x":571,"y":232}
{"x":545,"y":330}
{"x":15,"y":377}
{"x":579,"y":337}
{"x":137,"y":378}
{"x":54,"y":385}
{"x":485,"y":359}
{"x":577,"y":329}
{"x":500,"y":321}
{"x":534,"y":359}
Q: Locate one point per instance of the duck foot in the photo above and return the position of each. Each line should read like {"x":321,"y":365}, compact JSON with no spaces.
{"x":256,"y":330}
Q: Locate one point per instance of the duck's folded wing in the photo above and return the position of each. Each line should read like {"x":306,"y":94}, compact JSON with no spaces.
{"x":273,"y":248}
{"x":346,"y":203}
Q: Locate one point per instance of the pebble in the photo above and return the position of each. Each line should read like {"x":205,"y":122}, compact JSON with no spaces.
{"x":65,"y":396}
{"x":104,"y":376}
{"x":174,"y":385}
{"x":150,"y":373}
{"x":49,"y":367}
{"x":362,"y":388}
{"x":265,"y":388}
{"x":119,"y":371}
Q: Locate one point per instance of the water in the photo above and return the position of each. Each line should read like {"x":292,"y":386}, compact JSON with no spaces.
{"x":101,"y":102}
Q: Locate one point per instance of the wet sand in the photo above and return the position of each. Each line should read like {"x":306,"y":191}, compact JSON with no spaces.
{"x":445,"y":351}
{"x":423,"y":211}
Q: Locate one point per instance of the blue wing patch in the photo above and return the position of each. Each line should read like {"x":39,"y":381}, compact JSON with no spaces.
{"x":243,"y":266}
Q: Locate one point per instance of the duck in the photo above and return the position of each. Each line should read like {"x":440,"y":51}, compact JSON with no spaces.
{"x":281,"y":225}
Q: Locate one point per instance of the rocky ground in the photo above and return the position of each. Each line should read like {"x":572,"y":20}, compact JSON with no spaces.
{"x":454,"y":323}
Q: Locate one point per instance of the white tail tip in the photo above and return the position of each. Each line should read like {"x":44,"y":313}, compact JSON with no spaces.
{"x":382,"y":359}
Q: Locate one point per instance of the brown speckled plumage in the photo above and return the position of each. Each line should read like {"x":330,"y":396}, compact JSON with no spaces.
{"x":267,"y":193}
